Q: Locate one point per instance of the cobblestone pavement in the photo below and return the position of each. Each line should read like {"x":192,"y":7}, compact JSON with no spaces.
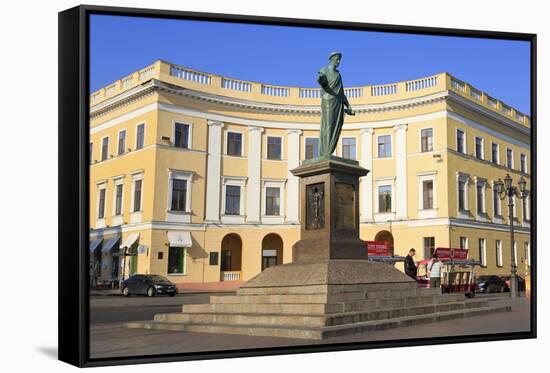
{"x":111,"y":340}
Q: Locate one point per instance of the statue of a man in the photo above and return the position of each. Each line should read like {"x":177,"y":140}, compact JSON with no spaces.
{"x":334,"y":104}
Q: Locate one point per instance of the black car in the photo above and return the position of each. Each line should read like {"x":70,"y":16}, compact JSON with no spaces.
{"x":149,"y":285}
{"x":490,"y":283}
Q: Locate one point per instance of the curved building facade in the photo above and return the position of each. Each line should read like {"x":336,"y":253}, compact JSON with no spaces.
{"x":190,"y":172}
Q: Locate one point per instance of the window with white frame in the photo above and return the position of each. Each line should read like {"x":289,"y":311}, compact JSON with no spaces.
{"x":426,"y":140}
{"x":480,"y":196}
{"x":179,"y":194}
{"x":526,"y":210}
{"x":105,"y":148}
{"x":101,"y":201}
{"x":119,"y":188}
{"x":181,"y":135}
{"x":514,"y":209}
{"x":495,"y":153}
{"x":509,"y":158}
{"x":482,"y":252}
{"x":429,"y":246}
{"x":460,"y":141}
{"x":234,"y":143}
{"x":384,"y":146}
{"x":523,"y":163}
{"x":121,"y":142}
{"x":312,"y":148}
{"x":274,"y":147}
{"x":497,"y":209}
{"x":479,"y":147}
{"x":137,"y":195}
{"x":464,"y":243}
{"x":462,"y":191}
{"x":272,"y":201}
{"x":232,"y":200}
{"x":384,"y":198}
{"x":348,"y":147}
{"x":140,"y":135}
{"x":427,"y":194}
{"x":498,"y":248}
{"x":516,"y":259}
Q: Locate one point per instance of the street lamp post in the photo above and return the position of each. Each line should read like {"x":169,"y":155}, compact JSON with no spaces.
{"x":506,"y":189}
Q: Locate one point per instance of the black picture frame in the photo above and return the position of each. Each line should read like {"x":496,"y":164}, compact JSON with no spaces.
{"x":73,"y":180}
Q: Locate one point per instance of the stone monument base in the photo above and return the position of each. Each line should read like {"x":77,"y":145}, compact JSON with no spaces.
{"x":318,"y":300}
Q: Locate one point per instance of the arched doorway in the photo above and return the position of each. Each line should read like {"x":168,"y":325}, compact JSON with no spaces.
{"x":272,"y":250}
{"x":231,"y":256}
{"x":385,"y":236}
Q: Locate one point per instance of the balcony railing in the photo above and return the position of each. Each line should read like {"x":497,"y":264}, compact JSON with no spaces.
{"x":231,"y":275}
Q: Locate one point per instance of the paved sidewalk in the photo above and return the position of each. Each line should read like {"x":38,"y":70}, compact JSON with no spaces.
{"x":111,"y":340}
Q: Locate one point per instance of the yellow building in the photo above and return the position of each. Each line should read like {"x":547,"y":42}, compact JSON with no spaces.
{"x":189,"y":172}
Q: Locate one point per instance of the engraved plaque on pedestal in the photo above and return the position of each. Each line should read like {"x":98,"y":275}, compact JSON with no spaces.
{"x":315,"y":206}
{"x":344,"y":206}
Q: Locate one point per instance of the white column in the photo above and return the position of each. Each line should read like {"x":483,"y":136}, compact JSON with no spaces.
{"x":401,"y":170}
{"x":254,"y":187}
{"x":365,"y":192}
{"x":293,"y":184}
{"x":213,"y":175}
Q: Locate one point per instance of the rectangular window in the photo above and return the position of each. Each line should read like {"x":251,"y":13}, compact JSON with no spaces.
{"x":479,"y":148}
{"x":176,"y":260}
{"x":523,"y":163}
{"x":348,"y":147}
{"x":137,"y":195}
{"x":494,"y":153}
{"x":274,"y":147}
{"x":462,"y":195}
{"x":527,"y":249}
{"x":460,"y":141}
{"x":496,"y":202}
{"x":427,"y":140}
{"x":429,"y":246}
{"x":179,"y":195}
{"x":524,"y":204}
{"x":91,"y":149}
{"x":464,"y":243}
{"x":384,"y":198}
{"x":482,"y":253}
{"x":232,"y":200}
{"x":498,"y":248}
{"x":509,"y":158}
{"x":101,"y":207}
{"x":181,"y":135}
{"x":234,"y":143}
{"x":272,"y":201}
{"x":214,"y":259}
{"x":121,"y":142}
{"x":480,"y":194}
{"x":428,"y":194}
{"x":384,"y":146}
{"x":312,"y":148}
{"x":118,"y":199}
{"x":140,"y":136}
{"x":104,"y":148}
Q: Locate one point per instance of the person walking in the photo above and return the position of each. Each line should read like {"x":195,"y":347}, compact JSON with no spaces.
{"x":435,"y":272}
{"x":410,"y":266}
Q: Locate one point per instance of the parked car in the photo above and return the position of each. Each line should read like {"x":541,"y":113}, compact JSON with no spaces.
{"x":149,"y":285}
{"x":521,"y":282}
{"x":490,"y":283}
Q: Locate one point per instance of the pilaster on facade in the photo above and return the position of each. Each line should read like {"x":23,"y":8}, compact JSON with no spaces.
{"x":293,"y":184}
{"x":254,"y":187}
{"x":213,"y":179}
{"x":401,"y":170}
{"x":366,"y":181}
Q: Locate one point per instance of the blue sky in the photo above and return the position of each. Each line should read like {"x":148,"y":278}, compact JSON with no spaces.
{"x":292,"y":56}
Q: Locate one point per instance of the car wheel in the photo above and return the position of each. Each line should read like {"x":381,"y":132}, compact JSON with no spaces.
{"x":151,"y":291}
{"x":125,"y":292}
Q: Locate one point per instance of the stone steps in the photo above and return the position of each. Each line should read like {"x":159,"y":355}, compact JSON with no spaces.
{"x":276,"y":330}
{"x":282,"y":314}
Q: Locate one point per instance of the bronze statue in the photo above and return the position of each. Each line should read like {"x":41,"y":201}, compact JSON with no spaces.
{"x":334,"y":104}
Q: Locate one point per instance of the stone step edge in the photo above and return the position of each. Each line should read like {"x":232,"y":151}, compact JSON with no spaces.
{"x":337,"y":314}
{"x":326,"y":330}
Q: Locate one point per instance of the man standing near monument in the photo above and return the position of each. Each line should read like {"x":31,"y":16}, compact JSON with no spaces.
{"x":334,"y":104}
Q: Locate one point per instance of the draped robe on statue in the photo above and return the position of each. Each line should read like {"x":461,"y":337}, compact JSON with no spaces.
{"x":332,"y":109}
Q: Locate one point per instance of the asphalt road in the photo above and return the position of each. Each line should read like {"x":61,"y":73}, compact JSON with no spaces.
{"x":116,"y":308}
